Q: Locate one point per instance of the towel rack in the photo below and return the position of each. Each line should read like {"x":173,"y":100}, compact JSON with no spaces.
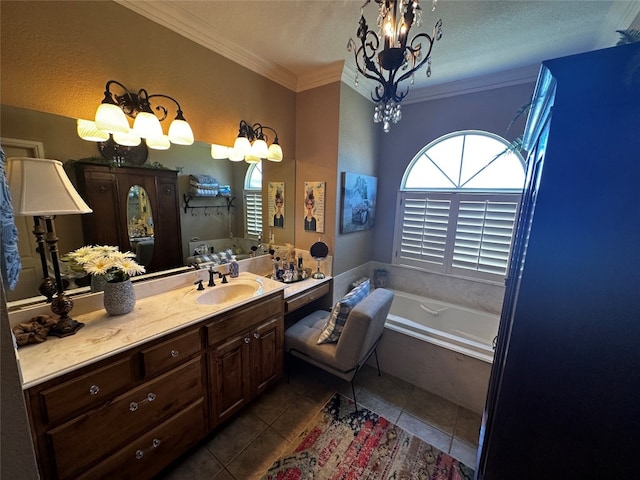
{"x":189,"y":198}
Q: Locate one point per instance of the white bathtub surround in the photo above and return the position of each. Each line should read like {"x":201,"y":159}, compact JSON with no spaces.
{"x":454,"y":376}
{"x":472,"y":293}
{"x":405,"y":354}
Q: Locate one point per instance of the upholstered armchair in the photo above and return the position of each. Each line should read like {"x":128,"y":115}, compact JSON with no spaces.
{"x":359,"y":338}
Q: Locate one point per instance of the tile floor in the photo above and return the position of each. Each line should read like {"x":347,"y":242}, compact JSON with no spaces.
{"x":245,"y":447}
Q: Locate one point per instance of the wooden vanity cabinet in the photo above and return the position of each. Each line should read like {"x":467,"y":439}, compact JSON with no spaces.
{"x":246,"y":356}
{"x":118,"y":414}
{"x":105,"y":189}
{"x":131,"y":415}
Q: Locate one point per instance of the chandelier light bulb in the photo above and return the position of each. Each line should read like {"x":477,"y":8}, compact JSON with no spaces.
{"x":129,"y":139}
{"x":111,"y":118}
{"x":180,"y":132}
{"x":147,"y":125}
{"x":159,"y":143}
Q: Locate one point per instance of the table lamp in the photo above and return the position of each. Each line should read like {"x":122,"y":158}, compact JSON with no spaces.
{"x":41,"y":188}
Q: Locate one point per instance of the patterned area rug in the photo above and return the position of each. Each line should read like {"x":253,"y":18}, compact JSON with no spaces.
{"x":340,"y":444}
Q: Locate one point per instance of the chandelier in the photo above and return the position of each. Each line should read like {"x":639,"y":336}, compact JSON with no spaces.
{"x":250,"y":145}
{"x":111,"y":119}
{"x":399,"y":58}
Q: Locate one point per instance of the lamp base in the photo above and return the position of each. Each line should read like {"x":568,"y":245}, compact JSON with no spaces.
{"x":65,"y":327}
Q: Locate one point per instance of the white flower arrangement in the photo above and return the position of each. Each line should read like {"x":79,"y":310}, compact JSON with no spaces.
{"x":106,"y":260}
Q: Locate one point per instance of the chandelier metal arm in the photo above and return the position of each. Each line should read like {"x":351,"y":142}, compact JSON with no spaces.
{"x":179,"y":115}
{"x":128,"y":101}
{"x":415,"y":51}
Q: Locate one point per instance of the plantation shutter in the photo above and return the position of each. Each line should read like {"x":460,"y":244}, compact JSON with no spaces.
{"x":425,"y":223}
{"x":253,"y":212}
{"x":483,"y":234}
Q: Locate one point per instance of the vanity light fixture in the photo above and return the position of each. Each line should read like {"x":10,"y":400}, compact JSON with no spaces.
{"x":111,"y":118}
{"x":398,"y":58}
{"x":250,"y":145}
{"x":40,"y":188}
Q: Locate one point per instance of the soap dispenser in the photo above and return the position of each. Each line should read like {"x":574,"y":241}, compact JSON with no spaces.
{"x":234,"y":267}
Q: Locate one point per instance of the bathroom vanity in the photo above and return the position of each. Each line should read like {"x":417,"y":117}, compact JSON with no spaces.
{"x":127,"y":395}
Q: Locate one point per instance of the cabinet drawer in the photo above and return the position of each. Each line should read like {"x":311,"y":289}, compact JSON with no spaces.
{"x":242,"y":319}
{"x":94,"y":435}
{"x":153,"y":451}
{"x":309,"y":296}
{"x":170,"y":353}
{"x":89,"y":390}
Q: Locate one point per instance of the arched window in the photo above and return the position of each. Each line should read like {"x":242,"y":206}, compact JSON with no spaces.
{"x":253,"y":200}
{"x":458,"y":205}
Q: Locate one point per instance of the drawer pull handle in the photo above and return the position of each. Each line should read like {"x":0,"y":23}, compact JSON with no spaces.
{"x":133,"y":406}
{"x":154,"y":444}
{"x":247,"y":340}
{"x":94,"y":389}
{"x":256,"y":335}
{"x":175,"y":353}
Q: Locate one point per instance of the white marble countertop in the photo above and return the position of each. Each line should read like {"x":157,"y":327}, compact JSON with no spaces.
{"x":157,"y":313}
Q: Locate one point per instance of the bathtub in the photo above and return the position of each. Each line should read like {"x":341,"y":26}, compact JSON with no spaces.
{"x":443,"y":348}
{"x":463,"y":330}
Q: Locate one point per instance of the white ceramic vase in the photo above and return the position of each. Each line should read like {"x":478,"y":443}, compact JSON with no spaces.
{"x":119,"y":297}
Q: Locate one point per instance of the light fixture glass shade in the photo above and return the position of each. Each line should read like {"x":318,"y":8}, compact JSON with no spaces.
{"x":251,"y":159}
{"x":159,"y":143}
{"x":242,"y":146}
{"x":235,"y":155}
{"x":180,"y":132}
{"x":219,"y":152}
{"x":259,"y":149}
{"x":129,"y":139}
{"x":147,"y":125}
{"x":87,"y":130}
{"x":111,"y":118}
{"x":40,"y":187}
{"x":275,"y":153}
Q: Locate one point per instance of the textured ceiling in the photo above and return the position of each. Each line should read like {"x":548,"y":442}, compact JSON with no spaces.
{"x":302,"y":43}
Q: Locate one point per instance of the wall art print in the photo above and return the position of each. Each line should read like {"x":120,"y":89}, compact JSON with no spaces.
{"x":276,"y":204}
{"x":314,"y":206}
{"x":358,"y":200}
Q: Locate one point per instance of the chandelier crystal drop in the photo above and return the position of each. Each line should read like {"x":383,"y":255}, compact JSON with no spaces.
{"x":388,"y":57}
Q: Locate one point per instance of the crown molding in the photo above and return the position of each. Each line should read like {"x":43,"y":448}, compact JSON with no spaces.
{"x":321,"y":76}
{"x":181,"y":21}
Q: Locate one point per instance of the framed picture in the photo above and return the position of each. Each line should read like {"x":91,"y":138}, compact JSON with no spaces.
{"x":276,"y":204}
{"x":358,"y":202}
{"x":314,"y":206}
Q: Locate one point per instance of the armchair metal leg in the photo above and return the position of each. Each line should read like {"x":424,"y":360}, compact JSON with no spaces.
{"x":353,"y":390}
{"x":375,"y":352}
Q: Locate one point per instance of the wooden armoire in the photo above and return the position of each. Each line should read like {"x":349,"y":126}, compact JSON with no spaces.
{"x":106,"y":188}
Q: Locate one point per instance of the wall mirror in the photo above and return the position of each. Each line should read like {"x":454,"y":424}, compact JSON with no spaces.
{"x":140,"y":224}
{"x":55,"y":137}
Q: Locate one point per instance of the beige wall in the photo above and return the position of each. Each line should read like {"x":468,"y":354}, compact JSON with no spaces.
{"x":318,"y":118}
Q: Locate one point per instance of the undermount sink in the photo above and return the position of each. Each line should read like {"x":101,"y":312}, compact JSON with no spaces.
{"x":229,"y":292}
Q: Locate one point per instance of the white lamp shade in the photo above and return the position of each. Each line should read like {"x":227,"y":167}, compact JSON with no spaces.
{"x":87,"y":130}
{"x":251,"y":159}
{"x":129,"y":139}
{"x":180,"y":132}
{"x":219,"y":152}
{"x":242,"y":146}
{"x":40,"y":187}
{"x":111,"y":118}
{"x":235,"y":155}
{"x":259,"y":149}
{"x":147,"y":125}
{"x":275,"y":153}
{"x":159,"y":143}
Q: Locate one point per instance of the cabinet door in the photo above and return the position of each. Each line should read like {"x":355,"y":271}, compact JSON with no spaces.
{"x":230,"y":377}
{"x":100,"y":191}
{"x":266,"y":355}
